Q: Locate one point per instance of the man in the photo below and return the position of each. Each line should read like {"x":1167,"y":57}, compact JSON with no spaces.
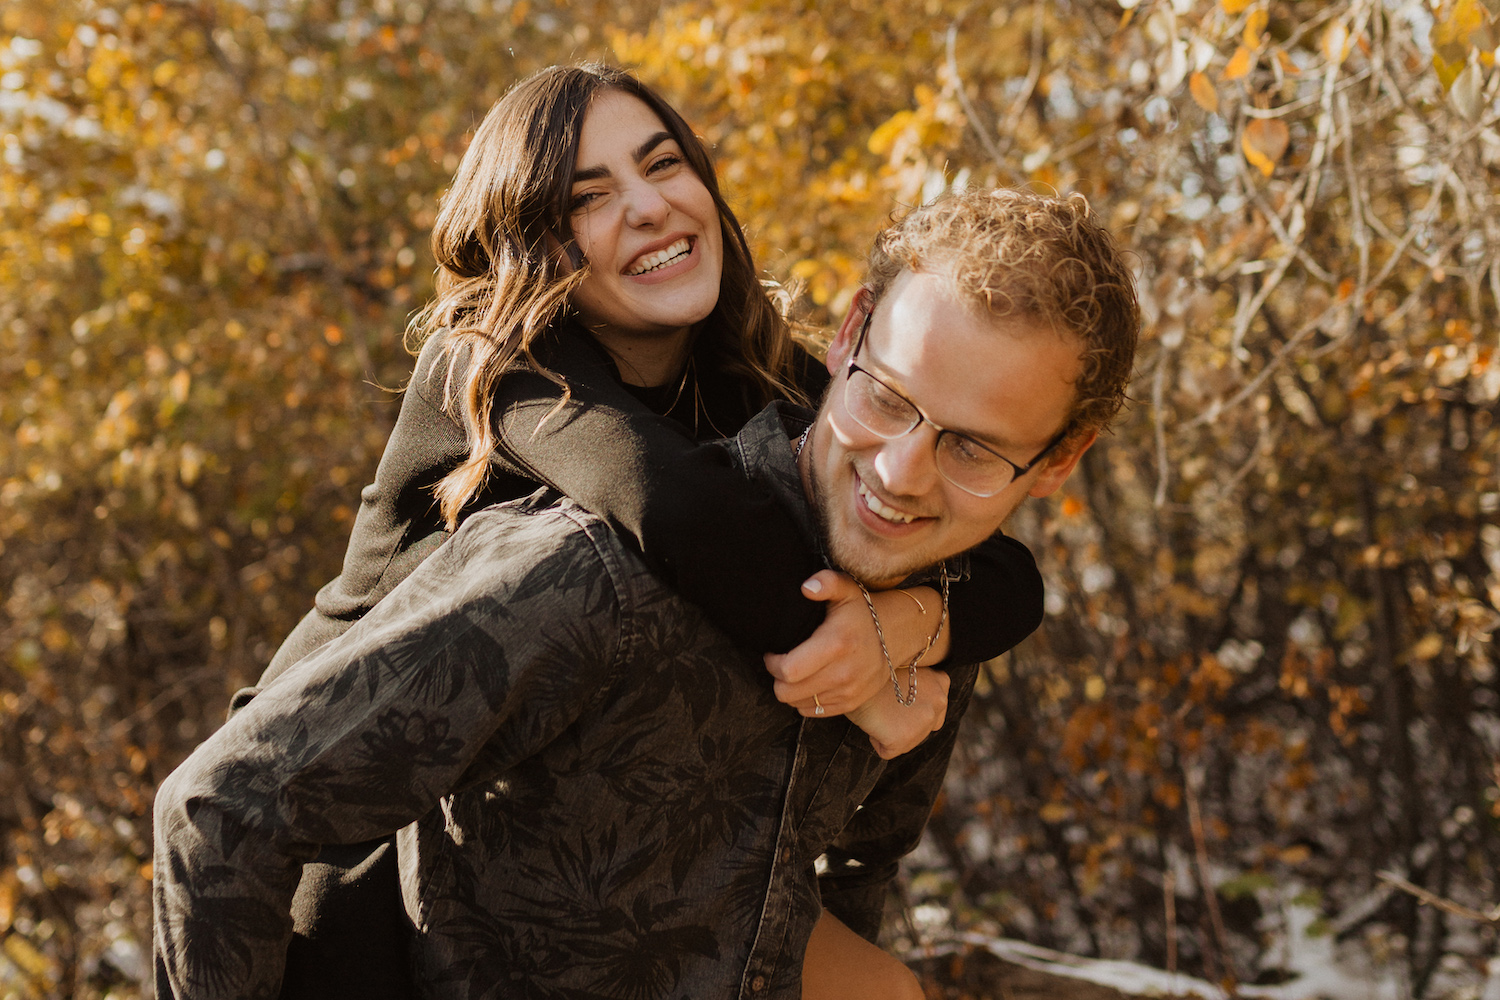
{"x":598,"y":794}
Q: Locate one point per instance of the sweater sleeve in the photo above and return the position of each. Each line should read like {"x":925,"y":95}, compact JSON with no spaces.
{"x":717,"y":537}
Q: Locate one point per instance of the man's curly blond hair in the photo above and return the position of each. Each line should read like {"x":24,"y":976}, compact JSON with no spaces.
{"x":1018,"y":253}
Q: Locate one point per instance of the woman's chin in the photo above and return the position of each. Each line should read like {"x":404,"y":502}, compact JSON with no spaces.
{"x":667,"y":319}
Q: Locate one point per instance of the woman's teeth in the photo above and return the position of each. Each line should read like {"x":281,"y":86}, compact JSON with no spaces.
{"x":881,"y":510}
{"x":661,"y":258}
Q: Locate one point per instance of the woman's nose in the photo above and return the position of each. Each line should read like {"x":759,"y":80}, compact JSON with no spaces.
{"x":645,"y":206}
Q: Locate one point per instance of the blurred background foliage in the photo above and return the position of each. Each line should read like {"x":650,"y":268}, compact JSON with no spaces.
{"x":1267,"y":671}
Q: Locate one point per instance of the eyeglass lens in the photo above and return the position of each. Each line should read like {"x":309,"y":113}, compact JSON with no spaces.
{"x":886,"y":414}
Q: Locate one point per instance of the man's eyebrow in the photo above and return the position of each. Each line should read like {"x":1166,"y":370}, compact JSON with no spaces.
{"x":641,"y":152}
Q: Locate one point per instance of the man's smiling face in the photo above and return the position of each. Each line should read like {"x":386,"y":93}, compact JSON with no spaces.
{"x":1005,"y":382}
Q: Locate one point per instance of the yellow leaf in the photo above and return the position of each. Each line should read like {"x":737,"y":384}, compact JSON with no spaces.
{"x":804,"y":269}
{"x":1296,"y":854}
{"x":1448,"y":69}
{"x":1233,"y":6}
{"x":1255,"y":27}
{"x":190,"y":464}
{"x":1427,"y":647}
{"x":1202,"y":89}
{"x":1458,"y":21}
{"x":884,"y":137}
{"x":1285,"y":62}
{"x":1054,"y":812}
{"x":55,"y":637}
{"x":24,"y":954}
{"x":1240,"y":63}
{"x":1264,"y":142}
{"x":1453,"y":38}
{"x":1094,"y":688}
{"x":165,"y":73}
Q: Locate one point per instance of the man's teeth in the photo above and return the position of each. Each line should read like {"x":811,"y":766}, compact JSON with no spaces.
{"x":888,"y":513}
{"x":661,"y":258}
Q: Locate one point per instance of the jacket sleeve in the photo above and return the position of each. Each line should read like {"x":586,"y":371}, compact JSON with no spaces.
{"x":998,"y":605}
{"x":367,"y":734}
{"x":865,"y":856}
{"x":718,"y":538}
{"x":714,"y":535}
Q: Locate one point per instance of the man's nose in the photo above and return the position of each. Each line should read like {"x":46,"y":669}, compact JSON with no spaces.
{"x":907,"y":465}
{"x":645,"y":206}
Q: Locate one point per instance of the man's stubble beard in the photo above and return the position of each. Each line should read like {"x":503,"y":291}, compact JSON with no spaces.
{"x":875,"y":577}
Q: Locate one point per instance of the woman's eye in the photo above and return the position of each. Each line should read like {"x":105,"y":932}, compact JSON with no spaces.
{"x":585,"y":199}
{"x":666,"y":162}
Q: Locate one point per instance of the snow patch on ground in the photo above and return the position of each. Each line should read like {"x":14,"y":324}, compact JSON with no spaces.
{"x":1323,"y":972}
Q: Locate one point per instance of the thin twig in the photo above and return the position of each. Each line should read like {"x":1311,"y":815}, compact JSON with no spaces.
{"x":1033,"y":70}
{"x":1158,"y":386}
{"x":1320,"y":145}
{"x":1283,"y":110}
{"x":1357,"y":231}
{"x":168,"y":695}
{"x":1277,"y":359}
{"x":1247,"y":312}
{"x":970,"y":112}
{"x":1286,"y":239}
{"x":1169,"y":901}
{"x":1446,"y":905}
{"x":1225,"y":489}
{"x":1210,"y":894}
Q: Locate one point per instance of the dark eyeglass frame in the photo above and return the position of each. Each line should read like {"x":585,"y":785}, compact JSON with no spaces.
{"x":1017,"y":471}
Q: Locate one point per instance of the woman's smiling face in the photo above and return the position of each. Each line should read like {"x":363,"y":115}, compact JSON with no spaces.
{"x":646,"y":224}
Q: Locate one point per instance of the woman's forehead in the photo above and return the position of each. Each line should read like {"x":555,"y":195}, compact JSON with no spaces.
{"x":613,"y":118}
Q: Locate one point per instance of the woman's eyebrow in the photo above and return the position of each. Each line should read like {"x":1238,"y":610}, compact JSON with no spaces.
{"x":641,"y":152}
{"x":644,"y":149}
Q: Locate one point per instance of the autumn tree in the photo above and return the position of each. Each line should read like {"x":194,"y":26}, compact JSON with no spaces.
{"x":1267,"y":669}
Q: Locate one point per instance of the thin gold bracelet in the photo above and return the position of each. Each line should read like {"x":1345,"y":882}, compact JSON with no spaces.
{"x":920,"y":607}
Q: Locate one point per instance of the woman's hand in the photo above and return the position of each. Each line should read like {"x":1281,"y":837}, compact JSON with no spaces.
{"x":895,"y":728}
{"x":840,"y":667}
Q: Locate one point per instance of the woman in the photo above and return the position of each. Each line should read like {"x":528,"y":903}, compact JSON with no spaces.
{"x":598,"y":314}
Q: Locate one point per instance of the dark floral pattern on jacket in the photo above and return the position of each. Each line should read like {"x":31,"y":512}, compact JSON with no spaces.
{"x":597,"y":792}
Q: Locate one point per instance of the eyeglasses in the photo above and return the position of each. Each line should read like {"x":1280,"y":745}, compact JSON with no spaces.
{"x":966,"y":463}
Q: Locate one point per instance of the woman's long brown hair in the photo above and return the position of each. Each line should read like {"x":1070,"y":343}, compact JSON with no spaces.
{"x":501,"y":238}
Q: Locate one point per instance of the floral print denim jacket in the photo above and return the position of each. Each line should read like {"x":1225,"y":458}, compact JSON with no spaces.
{"x":597,"y":793}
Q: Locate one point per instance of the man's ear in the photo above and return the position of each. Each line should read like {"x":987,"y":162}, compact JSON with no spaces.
{"x":848,"y":333}
{"x":1059,"y":467}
